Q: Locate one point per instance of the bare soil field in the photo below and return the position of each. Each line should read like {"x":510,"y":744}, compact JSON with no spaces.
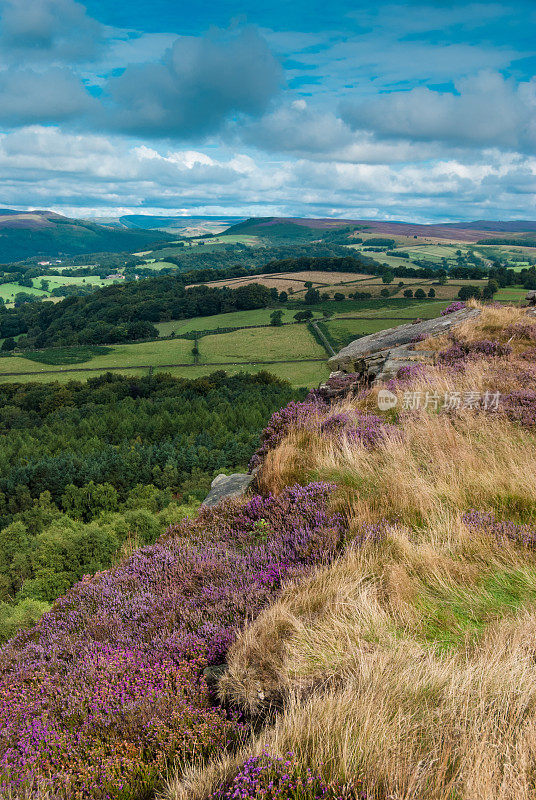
{"x":296,"y":280}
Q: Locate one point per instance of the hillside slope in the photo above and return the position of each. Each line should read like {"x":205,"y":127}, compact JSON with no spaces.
{"x":405,"y":668}
{"x":29,"y":234}
{"x":306,"y":229}
{"x":374,"y":606}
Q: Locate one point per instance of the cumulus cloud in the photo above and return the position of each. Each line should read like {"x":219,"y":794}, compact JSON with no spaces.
{"x":49,"y":30}
{"x":53,"y":95}
{"x":487,"y":110}
{"x":297,"y":128}
{"x":310,"y":132}
{"x":43,"y":167}
{"x":200,"y":82}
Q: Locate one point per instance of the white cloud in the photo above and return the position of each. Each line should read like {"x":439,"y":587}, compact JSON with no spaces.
{"x":487,"y":111}
{"x":42,"y":167}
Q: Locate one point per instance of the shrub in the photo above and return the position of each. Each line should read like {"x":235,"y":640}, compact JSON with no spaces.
{"x":314,"y":415}
{"x":275,"y":778}
{"x":456,"y":306}
{"x":97,"y":698}
{"x":482,"y":348}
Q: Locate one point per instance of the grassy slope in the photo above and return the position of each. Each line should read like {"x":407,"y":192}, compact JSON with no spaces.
{"x":234,"y":319}
{"x":9,"y":290}
{"x":247,"y":347}
{"x":286,"y":343}
{"x":303,"y":374}
{"x":407,"y":664}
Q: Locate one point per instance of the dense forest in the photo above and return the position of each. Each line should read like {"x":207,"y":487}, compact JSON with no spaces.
{"x":89,"y":469}
{"x":126,"y":312}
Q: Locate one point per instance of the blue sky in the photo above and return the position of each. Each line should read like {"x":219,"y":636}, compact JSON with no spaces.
{"x":417,"y":110}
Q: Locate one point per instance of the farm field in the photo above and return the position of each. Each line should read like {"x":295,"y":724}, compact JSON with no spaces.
{"x":9,"y":290}
{"x":234,"y":319}
{"x":296,"y":280}
{"x":278,"y":282}
{"x":55,"y":280}
{"x":305,"y":373}
{"x":343,"y":331}
{"x":511,"y":295}
{"x":157,"y":265}
{"x":438,"y":251}
{"x":234,"y":239}
{"x":263,"y":344}
{"x":168,"y":351}
{"x":248,"y":349}
{"x":401,"y":309}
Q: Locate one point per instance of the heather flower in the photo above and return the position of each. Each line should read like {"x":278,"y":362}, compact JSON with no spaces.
{"x":521,"y":330}
{"x":457,"y":305}
{"x":410,"y":372}
{"x":460,"y":352}
{"x":275,"y":778}
{"x":520,"y":406}
{"x":98,"y":697}
{"x":338,"y":386}
{"x":487,"y":522}
{"x":315,"y":416}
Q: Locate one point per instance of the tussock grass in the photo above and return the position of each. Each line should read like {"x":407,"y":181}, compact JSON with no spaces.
{"x":365,"y":691}
{"x":408,"y":663}
{"x":441,"y":464}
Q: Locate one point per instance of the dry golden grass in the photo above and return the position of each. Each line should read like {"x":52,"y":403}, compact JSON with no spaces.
{"x":296,"y":280}
{"x":443,"y":463}
{"x":364,"y":692}
{"x":409,"y":663}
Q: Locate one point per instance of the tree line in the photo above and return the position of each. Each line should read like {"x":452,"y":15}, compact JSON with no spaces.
{"x":89,"y":468}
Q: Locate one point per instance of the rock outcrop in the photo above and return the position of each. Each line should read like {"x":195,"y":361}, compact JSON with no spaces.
{"x":224,"y":486}
{"x":380,"y":355}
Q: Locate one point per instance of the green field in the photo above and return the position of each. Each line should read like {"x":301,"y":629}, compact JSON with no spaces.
{"x":511,"y":295}
{"x":235,"y":319}
{"x":159,"y":264}
{"x":168,"y":351}
{"x":56,"y":280}
{"x":9,"y":290}
{"x":223,"y":238}
{"x":302,"y":374}
{"x":343,"y":331}
{"x":261,"y":344}
{"x":434,"y":250}
{"x":406,"y":309}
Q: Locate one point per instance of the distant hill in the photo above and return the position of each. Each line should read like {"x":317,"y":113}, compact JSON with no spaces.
{"x":301,"y":229}
{"x":188,"y":226}
{"x":29,"y":234}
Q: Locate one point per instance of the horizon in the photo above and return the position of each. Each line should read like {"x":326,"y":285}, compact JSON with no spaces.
{"x":419,"y":112}
{"x":171,"y":215}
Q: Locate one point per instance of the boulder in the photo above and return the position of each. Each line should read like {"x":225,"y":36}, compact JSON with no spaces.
{"x":224,"y":486}
{"x":531,"y":297}
{"x":357,"y":355}
{"x":400,"y":357}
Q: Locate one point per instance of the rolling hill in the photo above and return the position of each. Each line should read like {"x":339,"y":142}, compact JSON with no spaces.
{"x":30,"y":234}
{"x":187,"y":226}
{"x":277,"y":228}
